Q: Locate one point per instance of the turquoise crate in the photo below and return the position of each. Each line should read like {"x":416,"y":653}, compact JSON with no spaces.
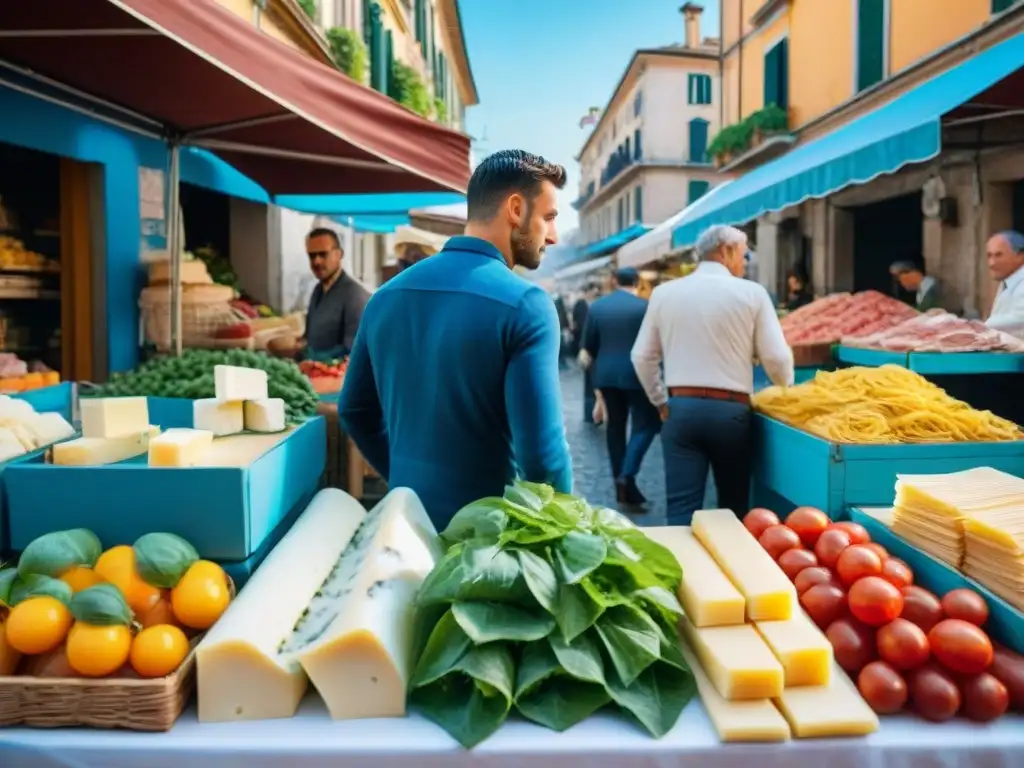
{"x":170,"y":412}
{"x":871,"y":358}
{"x":800,"y":375}
{"x":961,"y":363}
{"x":1005,"y":623}
{"x":794,"y":468}
{"x":55,"y":399}
{"x":226,"y":512}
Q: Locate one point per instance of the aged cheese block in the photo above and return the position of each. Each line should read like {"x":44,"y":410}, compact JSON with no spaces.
{"x":221,"y":417}
{"x":94,"y":451}
{"x":242,"y":672}
{"x":769,"y":594}
{"x":737,"y":660}
{"x":180,"y":448}
{"x":836,"y":709}
{"x":805,"y":653}
{"x":231,"y":382}
{"x":114,"y":416}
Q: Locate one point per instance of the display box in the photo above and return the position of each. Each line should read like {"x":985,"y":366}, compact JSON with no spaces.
{"x":57,"y":399}
{"x":870,"y":358}
{"x":795,"y":468}
{"x":227,"y":511}
{"x":1005,"y":623}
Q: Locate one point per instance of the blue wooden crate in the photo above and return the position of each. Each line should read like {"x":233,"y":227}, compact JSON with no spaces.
{"x":795,"y":468}
{"x":226,"y":512}
{"x":1005,"y":623}
{"x":870,"y":358}
{"x":979,"y":363}
{"x":55,"y":399}
{"x":170,"y":412}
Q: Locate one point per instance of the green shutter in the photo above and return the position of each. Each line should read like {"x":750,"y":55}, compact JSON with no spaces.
{"x":421,"y":23}
{"x":691,"y":90}
{"x":870,"y":42}
{"x":698,"y":140}
{"x":705,"y":89}
{"x":638,"y":204}
{"x":776,"y":75}
{"x":378,"y":51}
{"x":697,"y":189}
{"x":998,"y":6}
{"x":389,"y":60}
{"x":367,"y":23}
{"x":638,"y":149}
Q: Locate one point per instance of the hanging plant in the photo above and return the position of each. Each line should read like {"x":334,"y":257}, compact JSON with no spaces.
{"x":349,"y":52}
{"x":309,"y":6}
{"x":407,"y":88}
{"x":440,"y":111}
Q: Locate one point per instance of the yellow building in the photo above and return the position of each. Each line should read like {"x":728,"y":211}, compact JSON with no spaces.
{"x":802,"y":77}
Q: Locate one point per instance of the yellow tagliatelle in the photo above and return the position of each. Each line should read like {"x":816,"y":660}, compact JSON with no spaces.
{"x":889,"y":404}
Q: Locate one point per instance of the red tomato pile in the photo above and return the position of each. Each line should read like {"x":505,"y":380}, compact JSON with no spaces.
{"x":904,"y":645}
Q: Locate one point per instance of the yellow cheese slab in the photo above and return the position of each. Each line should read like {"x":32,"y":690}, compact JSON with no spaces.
{"x":96,"y":451}
{"x":180,"y":448}
{"x":737,"y":660}
{"x":706,"y":594}
{"x":836,"y":709}
{"x":769,"y":594}
{"x":755,"y":720}
{"x":805,"y":652}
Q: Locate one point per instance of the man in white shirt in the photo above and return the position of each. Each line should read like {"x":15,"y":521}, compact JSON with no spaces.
{"x":707,"y":330}
{"x":1005,"y":254}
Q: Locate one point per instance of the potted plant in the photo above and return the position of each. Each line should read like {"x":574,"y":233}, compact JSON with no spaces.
{"x":769,"y":121}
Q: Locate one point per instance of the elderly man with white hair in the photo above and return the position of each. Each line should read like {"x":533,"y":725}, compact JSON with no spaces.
{"x":1005,"y":255}
{"x":707,"y":330}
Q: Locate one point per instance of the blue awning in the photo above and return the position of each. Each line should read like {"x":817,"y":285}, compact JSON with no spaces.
{"x":906,"y":130}
{"x":379,"y":223}
{"x":354,"y":205}
{"x":206,"y":170}
{"x":614,"y":242}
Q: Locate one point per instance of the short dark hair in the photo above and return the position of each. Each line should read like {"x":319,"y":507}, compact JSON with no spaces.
{"x":325,"y":232}
{"x":504,"y":173}
{"x":904,"y":267}
{"x":627,"y":277}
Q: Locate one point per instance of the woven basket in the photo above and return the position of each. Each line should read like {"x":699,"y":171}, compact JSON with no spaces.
{"x":204,"y":310}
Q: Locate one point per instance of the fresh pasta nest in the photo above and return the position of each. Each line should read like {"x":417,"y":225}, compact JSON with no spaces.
{"x":889,"y":404}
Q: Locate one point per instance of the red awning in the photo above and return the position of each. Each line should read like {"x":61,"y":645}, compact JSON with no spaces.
{"x":208,"y":78}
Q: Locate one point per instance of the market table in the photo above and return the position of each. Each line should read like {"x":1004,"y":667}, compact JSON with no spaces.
{"x":312,"y":740}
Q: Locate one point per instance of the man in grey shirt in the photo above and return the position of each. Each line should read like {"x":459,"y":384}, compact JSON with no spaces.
{"x":336,"y":306}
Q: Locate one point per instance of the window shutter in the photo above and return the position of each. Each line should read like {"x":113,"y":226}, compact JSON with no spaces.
{"x":705,"y":89}
{"x":998,"y":6}
{"x":870,"y":42}
{"x":637,"y":147}
{"x":421,"y":24}
{"x":638,"y":204}
{"x":378,"y":51}
{"x":367,"y":23}
{"x":697,"y":189}
{"x":698,"y":140}
{"x":389,"y":59}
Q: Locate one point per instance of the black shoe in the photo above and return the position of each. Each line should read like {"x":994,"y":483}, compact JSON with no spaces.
{"x":621,"y":492}
{"x":632,"y":493}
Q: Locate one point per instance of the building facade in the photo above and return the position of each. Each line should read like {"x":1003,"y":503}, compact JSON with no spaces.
{"x":646,"y":158}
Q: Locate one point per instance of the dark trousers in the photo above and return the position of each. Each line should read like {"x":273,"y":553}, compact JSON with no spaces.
{"x":699,"y":433}
{"x":589,"y":399}
{"x":629,"y":410}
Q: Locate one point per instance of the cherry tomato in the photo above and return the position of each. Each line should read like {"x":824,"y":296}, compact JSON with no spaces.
{"x":967,"y":605}
{"x":934,"y":695}
{"x":830,"y":544}
{"x":777,"y":539}
{"x":853,"y":644}
{"x":824,"y":603}
{"x":921,"y":607}
{"x":875,"y":601}
{"x":858,"y":533}
{"x":757,"y":520}
{"x":961,"y":646}
{"x":793,"y":561}
{"x":897,"y":573}
{"x":882,"y":687}
{"x":903,"y":644}
{"x":808,"y":577}
{"x":985,"y":698}
{"x":878,"y":549}
{"x":857,"y":561}
{"x":809,"y":523}
{"x":1008,"y":668}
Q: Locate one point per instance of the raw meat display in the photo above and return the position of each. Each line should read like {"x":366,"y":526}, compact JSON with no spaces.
{"x":828,"y":320}
{"x":937,"y":331}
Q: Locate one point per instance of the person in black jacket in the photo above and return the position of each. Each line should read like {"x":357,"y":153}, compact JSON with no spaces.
{"x":564,"y":350}
{"x":579,"y":321}
{"x":799,"y":294}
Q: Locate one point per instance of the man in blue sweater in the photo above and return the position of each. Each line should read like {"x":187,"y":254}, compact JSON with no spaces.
{"x":452,"y":387}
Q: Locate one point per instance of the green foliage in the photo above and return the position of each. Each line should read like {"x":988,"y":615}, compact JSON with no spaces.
{"x":407,"y":88}
{"x":440,"y":111}
{"x":309,"y":6}
{"x":737,"y":138}
{"x":349,"y":52}
{"x":771,"y":119}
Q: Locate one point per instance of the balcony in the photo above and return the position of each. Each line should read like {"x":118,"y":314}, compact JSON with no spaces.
{"x":761,"y":136}
{"x":584,"y":197}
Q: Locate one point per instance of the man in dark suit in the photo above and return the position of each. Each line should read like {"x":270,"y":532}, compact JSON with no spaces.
{"x":579,"y":322}
{"x":612,"y":327}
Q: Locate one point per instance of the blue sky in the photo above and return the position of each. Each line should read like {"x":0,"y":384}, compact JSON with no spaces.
{"x":539,"y":64}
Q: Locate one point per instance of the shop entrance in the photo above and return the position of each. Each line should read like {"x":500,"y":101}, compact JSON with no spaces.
{"x":884,"y":232}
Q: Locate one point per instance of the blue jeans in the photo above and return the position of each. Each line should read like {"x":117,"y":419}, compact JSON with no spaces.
{"x":698,"y":433}
{"x":629,"y":410}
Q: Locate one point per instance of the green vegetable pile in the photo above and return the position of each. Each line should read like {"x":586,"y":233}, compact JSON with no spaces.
{"x":191,"y":376}
{"x":551,"y":607}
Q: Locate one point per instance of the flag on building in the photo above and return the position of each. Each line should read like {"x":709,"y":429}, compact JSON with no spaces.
{"x":591,"y":118}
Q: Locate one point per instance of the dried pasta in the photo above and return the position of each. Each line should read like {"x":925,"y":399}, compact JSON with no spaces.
{"x":889,"y":404}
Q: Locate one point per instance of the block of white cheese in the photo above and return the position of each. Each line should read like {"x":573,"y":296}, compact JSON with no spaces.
{"x":180,"y":448}
{"x":14,"y":410}
{"x":94,"y":451}
{"x":706,"y":594}
{"x":737,"y":660}
{"x":10,"y":445}
{"x":265,"y":415}
{"x":241,"y":671}
{"x":836,"y":709}
{"x":769,"y":594}
{"x":221,"y":417}
{"x":230,"y":382}
{"x":24,"y":435}
{"x":356,"y":644}
{"x":48,"y":428}
{"x":114,"y":416}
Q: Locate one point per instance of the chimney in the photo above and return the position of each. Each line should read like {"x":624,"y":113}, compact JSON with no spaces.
{"x":691,"y":21}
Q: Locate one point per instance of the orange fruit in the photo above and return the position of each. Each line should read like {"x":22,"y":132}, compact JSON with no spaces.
{"x":98,"y":651}
{"x":37,"y":625}
{"x":158,"y":651}
{"x":160,"y":612}
{"x":201,"y":596}
{"x":117,"y":566}
{"x":78,"y":577}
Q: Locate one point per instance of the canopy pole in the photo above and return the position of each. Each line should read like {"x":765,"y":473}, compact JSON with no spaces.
{"x":174,"y":244}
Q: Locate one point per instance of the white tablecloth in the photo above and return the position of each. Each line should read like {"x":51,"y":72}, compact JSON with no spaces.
{"x":312,"y":740}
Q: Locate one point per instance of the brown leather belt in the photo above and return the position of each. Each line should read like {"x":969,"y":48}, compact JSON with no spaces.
{"x":710,"y":393}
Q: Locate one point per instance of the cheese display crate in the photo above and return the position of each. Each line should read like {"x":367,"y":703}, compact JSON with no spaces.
{"x":794,"y":468}
{"x":872,"y":358}
{"x":1005,"y":623}
{"x":170,"y":412}
{"x":57,"y":399}
{"x":981,"y":363}
{"x":800,"y":375}
{"x":226,"y":511}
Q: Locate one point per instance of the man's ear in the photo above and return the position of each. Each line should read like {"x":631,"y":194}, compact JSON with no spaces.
{"x":515,"y":208}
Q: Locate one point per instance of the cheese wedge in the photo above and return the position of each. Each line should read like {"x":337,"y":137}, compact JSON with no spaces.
{"x":48,"y":428}
{"x":357,"y":644}
{"x":754,"y":720}
{"x":96,"y":451}
{"x":10,"y":445}
{"x":241,"y":672}
{"x":805,"y":653}
{"x":737,"y":660}
{"x":706,"y":594}
{"x":265,"y":415}
{"x":180,"y":448}
{"x":836,"y":709}
{"x":769,"y":594}
{"x":114,"y":416}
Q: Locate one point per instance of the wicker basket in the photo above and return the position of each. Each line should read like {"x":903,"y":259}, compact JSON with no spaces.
{"x":204,"y":310}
